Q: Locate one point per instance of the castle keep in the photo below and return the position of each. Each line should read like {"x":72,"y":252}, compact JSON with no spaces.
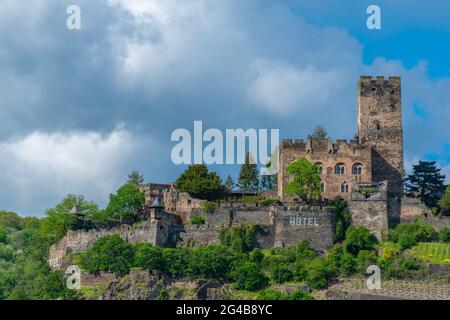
{"x":374,"y":155}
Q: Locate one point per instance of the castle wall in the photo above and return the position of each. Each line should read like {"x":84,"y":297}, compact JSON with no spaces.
{"x":329,"y":155}
{"x":369,"y":207}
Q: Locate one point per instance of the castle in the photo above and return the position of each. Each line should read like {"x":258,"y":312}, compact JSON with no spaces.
{"x":375,"y":155}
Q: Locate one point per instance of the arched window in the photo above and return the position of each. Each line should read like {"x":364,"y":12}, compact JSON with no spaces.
{"x":322,"y":187}
{"x":357,"y":169}
{"x":344,"y":187}
{"x":339,"y":169}
{"x":319,"y":168}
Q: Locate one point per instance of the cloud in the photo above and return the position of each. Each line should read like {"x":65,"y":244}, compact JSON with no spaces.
{"x":282,"y":88}
{"x":40,"y":168}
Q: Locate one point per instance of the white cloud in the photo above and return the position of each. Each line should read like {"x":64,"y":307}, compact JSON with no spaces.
{"x":282,"y":88}
{"x":43,"y":167}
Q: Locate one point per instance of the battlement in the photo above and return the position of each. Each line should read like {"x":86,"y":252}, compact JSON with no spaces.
{"x":379,"y":79}
{"x":328,"y":145}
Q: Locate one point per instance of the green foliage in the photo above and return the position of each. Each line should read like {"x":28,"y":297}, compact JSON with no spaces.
{"x":319,"y":273}
{"x":342,"y":219}
{"x":269,"y":182}
{"x":229,"y":183}
{"x":135,"y":178}
{"x":240,"y":238}
{"x":248,"y":276}
{"x":209,"y":207}
{"x":177,"y":261}
{"x":408,"y":235}
{"x":305,"y":181}
{"x":444,"y":235}
{"x":271,"y":294}
{"x":269,"y":202}
{"x":342,"y":261}
{"x":126,"y":203}
{"x":211,"y":262}
{"x":148,"y":257}
{"x":58,"y":220}
{"x":426,"y":181}
{"x":109,"y":253}
{"x":281,"y":273}
{"x":444,"y":203}
{"x":2,"y":235}
{"x":400,"y":266}
{"x":198,"y":220}
{"x":199,"y":183}
{"x":364,"y":259}
{"x":248,"y":175}
{"x":433,"y":252}
{"x":359,"y":238}
{"x":256,"y":256}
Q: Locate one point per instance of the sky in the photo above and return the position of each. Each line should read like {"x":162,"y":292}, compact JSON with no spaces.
{"x":80,"y":109}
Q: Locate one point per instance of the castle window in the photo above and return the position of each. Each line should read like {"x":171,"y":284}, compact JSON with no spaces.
{"x":357,"y":169}
{"x":344,"y":187}
{"x":319,"y":168}
{"x":322,"y":187}
{"x":339,"y":169}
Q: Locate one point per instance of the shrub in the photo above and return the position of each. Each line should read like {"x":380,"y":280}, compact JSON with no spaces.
{"x":198,"y":220}
{"x":364,"y":259}
{"x":149,"y":257}
{"x":248,"y":276}
{"x":281,"y":273}
{"x":176,"y":261}
{"x":304,"y":252}
{"x":359,"y":238}
{"x":109,"y":253}
{"x":444,"y":235}
{"x":300,"y":295}
{"x":408,"y":235}
{"x":210,"y":262}
{"x":240,"y":239}
{"x":209,"y":207}
{"x":341,"y":261}
{"x":318,"y":273}
{"x":256,"y":255}
{"x":399,"y":267}
{"x":2,"y":235}
{"x":269,"y":202}
{"x":271,"y":294}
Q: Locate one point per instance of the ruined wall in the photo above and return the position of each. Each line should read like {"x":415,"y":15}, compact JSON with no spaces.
{"x":294,"y":224}
{"x":369,"y":207}
{"x":181,"y":203}
{"x":328,"y":155}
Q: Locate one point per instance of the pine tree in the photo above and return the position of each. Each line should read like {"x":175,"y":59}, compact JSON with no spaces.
{"x":269,"y":182}
{"x":248,"y":175}
{"x":229,"y":183}
{"x":135,"y":178}
{"x":426,"y":181}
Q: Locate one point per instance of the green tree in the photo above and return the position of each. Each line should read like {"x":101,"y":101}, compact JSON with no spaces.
{"x":109,"y":253}
{"x":248,"y":174}
{"x":426,"y":181}
{"x":148,"y":257}
{"x":199,"y":183}
{"x":359,"y":238}
{"x":444,"y":203}
{"x":342,"y":219}
{"x":2,"y":235}
{"x":229,"y":183}
{"x":319,"y":134}
{"x":126,"y":203}
{"x":248,"y":276}
{"x":305,"y":181}
{"x":444,"y":235}
{"x":58,"y":220}
{"x":135,"y":177}
{"x":269,"y":182}
{"x":211,"y":262}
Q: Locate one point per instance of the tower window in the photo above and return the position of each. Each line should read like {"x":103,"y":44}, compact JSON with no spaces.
{"x":339,"y":169}
{"x":322,"y":187}
{"x":344,"y":187}
{"x":319,"y":168}
{"x":357,"y":169}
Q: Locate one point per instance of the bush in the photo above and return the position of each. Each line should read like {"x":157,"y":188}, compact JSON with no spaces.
{"x":198,"y":220}
{"x":365,"y":259}
{"x":176,"y":261}
{"x":109,"y":253}
{"x":209,"y":207}
{"x":399,"y":267}
{"x":318,"y":273}
{"x":270,"y":294}
{"x":281,"y":274}
{"x":240,"y":239}
{"x":444,"y":235}
{"x":357,"y":239}
{"x":256,"y":256}
{"x":408,"y":235}
{"x":342,"y":261}
{"x":269,"y":202}
{"x":211,"y":262}
{"x":248,"y":276}
{"x":304,"y":252}
{"x":2,"y":235}
{"x":149,"y":257}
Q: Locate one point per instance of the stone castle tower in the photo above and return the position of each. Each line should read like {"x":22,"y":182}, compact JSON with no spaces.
{"x":376,"y":155}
